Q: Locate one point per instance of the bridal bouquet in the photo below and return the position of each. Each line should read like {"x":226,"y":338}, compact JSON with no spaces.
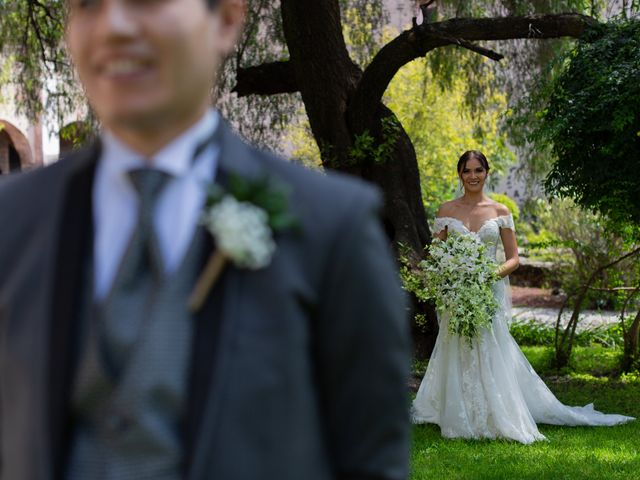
{"x":458,"y":277}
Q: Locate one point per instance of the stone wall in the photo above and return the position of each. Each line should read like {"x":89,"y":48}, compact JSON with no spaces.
{"x":533,"y":274}
{"x":4,"y":152}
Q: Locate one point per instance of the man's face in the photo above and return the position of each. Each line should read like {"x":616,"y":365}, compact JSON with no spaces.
{"x":148,"y":63}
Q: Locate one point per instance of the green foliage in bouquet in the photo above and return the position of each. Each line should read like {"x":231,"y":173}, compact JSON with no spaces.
{"x":458,"y":275}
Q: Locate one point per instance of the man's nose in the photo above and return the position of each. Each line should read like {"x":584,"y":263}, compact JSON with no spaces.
{"x":118,"y":18}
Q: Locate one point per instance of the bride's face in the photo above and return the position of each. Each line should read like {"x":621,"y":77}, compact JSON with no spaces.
{"x":473,"y":176}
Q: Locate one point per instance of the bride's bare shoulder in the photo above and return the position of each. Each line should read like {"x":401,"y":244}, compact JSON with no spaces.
{"x":447,"y":209}
{"x":501,"y":209}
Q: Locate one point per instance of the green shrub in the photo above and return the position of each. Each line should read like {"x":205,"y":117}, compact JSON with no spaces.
{"x":533,"y":333}
{"x":591,"y":122}
{"x":418,"y":367}
{"x":578,"y":242}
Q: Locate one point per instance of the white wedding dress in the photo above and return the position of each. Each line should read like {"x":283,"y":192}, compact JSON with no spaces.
{"x":489,"y":389}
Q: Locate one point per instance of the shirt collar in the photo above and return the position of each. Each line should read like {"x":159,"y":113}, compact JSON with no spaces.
{"x":175,"y":158}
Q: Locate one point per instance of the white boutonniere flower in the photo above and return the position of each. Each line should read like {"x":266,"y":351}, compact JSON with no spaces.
{"x":242,"y":232}
{"x":242,"y":219}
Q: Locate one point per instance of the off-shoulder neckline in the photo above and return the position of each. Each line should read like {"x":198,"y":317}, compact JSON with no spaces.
{"x":481,"y":226}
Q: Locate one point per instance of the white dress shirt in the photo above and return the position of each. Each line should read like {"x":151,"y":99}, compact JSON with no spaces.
{"x":178,"y":208}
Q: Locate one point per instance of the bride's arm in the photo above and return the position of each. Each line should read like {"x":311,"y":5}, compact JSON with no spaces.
{"x":509,"y":242}
{"x":510,"y":252}
{"x":442,"y":234}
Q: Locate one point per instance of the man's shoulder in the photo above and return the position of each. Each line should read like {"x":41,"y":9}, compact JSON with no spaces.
{"x":22,"y":189}
{"x":31,"y":194}
{"x":33,"y":185}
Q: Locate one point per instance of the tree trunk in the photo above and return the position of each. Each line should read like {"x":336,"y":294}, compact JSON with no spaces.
{"x":631,"y":355}
{"x":327,"y":79}
{"x":405,"y":219}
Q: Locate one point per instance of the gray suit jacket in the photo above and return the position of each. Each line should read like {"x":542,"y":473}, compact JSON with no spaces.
{"x":298,"y":370}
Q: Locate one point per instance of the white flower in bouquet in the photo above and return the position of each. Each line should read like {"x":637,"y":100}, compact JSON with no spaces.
{"x":458,"y":277}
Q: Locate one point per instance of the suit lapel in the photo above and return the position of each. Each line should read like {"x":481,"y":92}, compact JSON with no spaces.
{"x":75,"y":238}
{"x":216,"y":322}
{"x":212,"y":352}
{"x":204,"y":346}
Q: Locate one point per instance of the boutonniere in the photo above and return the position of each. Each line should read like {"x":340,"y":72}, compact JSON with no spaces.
{"x":242,"y":220}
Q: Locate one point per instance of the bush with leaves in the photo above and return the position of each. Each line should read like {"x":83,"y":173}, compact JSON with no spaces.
{"x":578,"y":242}
{"x":597,"y":266}
{"x":592,"y":123}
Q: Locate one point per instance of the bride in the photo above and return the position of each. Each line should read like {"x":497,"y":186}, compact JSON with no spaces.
{"x":488,"y":389}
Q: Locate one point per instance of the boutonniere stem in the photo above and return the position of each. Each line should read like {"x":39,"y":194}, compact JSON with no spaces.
{"x":242,"y":220}
{"x":214,"y":267}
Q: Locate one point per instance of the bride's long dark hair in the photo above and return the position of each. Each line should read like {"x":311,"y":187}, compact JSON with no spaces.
{"x":468,"y":155}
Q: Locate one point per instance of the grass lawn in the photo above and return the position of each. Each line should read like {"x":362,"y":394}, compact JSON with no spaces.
{"x":569,"y":453}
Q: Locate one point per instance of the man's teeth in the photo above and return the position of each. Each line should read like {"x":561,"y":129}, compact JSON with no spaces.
{"x":123,"y":67}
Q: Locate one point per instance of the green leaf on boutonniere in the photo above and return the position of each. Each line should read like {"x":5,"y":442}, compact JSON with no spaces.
{"x":283,"y":221}
{"x":267,"y":194}
{"x":215,"y":193}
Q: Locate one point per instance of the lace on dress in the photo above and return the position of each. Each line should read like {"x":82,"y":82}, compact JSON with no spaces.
{"x":503,"y":221}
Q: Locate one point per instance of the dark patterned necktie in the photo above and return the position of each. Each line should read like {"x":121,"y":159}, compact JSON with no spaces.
{"x":125,"y":309}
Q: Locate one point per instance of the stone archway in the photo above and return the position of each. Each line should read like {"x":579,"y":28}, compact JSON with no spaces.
{"x":15,"y":152}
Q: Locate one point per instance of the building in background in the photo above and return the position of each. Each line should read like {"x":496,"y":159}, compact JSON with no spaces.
{"x":27,"y":143}
{"x":20,"y":149}
{"x":20,"y":140}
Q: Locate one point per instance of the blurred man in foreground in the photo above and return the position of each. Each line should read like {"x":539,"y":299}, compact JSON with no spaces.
{"x":138,"y":343}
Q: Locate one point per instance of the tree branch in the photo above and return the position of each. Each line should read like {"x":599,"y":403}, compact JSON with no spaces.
{"x":614,"y":289}
{"x":36,"y":28}
{"x":474,"y":48}
{"x":249,"y":27}
{"x":570,"y":329}
{"x":420,"y":40}
{"x":624,"y":308}
{"x":266,"y":79}
{"x":57,"y":20}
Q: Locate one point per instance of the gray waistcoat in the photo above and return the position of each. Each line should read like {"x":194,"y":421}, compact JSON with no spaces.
{"x":130,"y":427}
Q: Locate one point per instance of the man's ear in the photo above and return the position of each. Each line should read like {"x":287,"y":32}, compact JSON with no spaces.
{"x":231,"y":15}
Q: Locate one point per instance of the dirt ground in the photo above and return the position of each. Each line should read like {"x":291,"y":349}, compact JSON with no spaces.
{"x":535,"y":297}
